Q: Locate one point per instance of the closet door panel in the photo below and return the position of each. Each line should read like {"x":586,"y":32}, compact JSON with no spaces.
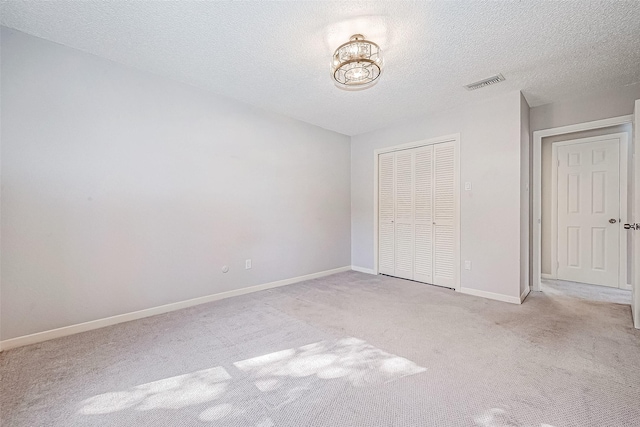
{"x":444,"y":215}
{"x":386,"y":214}
{"x":404,"y":207}
{"x":423,"y":220}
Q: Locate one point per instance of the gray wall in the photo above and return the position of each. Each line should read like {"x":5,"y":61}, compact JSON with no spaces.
{"x":490,"y":157}
{"x":123,"y":191}
{"x":595,"y":106}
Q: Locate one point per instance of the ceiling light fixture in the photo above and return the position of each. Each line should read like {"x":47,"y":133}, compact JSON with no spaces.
{"x":356,"y":64}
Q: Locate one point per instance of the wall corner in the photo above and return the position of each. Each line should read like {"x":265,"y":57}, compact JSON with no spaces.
{"x":525,"y":195}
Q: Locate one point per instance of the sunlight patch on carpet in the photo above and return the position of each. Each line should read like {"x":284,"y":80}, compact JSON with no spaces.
{"x":497,"y":417}
{"x":169,"y":393}
{"x":349,"y":358}
{"x":280,"y":378}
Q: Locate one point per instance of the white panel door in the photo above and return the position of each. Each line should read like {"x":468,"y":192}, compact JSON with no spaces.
{"x":386,"y":214}
{"x":404,"y":194}
{"x":444,"y":209}
{"x":423,"y":215}
{"x":588,"y":212}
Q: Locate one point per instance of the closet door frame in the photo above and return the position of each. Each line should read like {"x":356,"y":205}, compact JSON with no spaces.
{"x":455,"y":138}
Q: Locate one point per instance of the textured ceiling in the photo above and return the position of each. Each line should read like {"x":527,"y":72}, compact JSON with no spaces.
{"x":276,"y":55}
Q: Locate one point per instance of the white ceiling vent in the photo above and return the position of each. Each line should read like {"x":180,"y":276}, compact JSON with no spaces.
{"x":486,"y":82}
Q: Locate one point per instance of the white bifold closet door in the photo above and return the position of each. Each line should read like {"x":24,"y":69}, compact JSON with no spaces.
{"x":416,"y":208}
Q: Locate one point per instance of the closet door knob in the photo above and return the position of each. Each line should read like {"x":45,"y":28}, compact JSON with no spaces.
{"x":612,"y":221}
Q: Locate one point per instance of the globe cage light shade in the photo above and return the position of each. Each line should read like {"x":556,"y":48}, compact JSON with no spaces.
{"x":356,"y":64}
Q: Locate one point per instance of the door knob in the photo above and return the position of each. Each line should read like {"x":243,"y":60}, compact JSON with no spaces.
{"x":612,"y":221}
{"x":632,"y":226}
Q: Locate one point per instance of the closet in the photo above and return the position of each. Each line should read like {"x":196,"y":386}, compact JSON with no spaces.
{"x":417,"y":214}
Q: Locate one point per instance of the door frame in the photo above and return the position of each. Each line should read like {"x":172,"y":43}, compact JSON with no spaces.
{"x":623,"y":159}
{"x":455,"y":138}
{"x":536,"y":242}
{"x":635,"y":292}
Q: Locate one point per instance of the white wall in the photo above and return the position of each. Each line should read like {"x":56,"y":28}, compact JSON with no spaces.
{"x":490,"y":149}
{"x":122,"y":190}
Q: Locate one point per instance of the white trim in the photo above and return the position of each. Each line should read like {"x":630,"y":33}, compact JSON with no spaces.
{"x":546,"y":276}
{"x":491,"y":295}
{"x":415,"y":144}
{"x":524,"y":294}
{"x":635,"y":273}
{"x":121,"y":318}
{"x":455,"y":138}
{"x":623,"y":144}
{"x":537,"y":174}
{"x":626,"y":287}
{"x":362,"y":269}
{"x":554,"y":213}
{"x":623,"y":278}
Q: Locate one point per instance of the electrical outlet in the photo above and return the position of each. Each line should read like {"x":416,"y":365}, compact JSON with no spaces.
{"x":247,"y":264}
{"x":467,"y":265}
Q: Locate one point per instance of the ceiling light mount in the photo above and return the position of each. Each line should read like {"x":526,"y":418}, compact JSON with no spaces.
{"x":356,"y":64}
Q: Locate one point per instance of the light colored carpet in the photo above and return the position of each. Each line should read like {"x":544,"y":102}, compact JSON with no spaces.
{"x":586,"y":292}
{"x":346,"y":350}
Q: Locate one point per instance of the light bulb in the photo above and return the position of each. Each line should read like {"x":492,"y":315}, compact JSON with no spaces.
{"x":353,"y":50}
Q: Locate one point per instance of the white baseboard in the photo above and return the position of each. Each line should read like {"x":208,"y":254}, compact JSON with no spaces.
{"x":546,"y":276}
{"x":627,"y":287}
{"x":490,"y":295}
{"x":362,"y":269}
{"x":121,"y":318}
{"x":524,"y":294}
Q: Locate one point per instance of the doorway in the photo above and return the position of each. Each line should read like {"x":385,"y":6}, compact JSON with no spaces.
{"x":541,"y":258}
{"x":589,"y":198}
